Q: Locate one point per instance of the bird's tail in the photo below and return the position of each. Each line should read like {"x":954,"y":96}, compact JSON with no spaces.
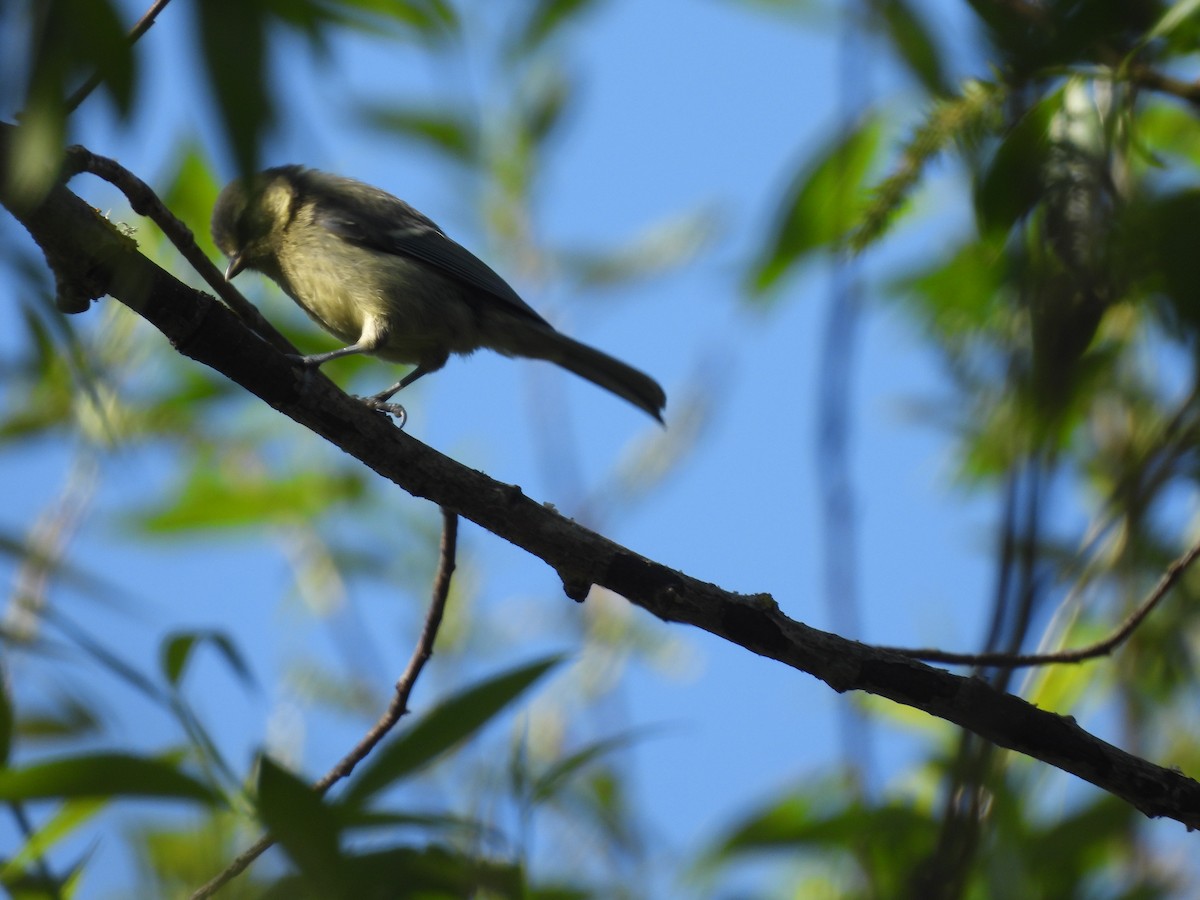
{"x":599,"y":368}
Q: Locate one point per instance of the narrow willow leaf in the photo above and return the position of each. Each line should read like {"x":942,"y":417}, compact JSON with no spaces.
{"x":177,"y":649}
{"x":446,"y":726}
{"x":303,"y":824}
{"x":70,"y":816}
{"x":101,"y":775}
{"x":826,"y":199}
{"x":1012,"y":183}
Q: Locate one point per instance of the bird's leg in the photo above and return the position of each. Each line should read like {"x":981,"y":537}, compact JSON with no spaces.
{"x":380,"y":401}
{"x":319,"y":359}
{"x":376,"y":400}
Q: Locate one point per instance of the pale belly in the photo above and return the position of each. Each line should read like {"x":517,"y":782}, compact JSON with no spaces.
{"x":406,"y":312}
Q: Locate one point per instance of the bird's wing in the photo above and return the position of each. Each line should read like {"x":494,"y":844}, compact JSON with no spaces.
{"x":389,"y":225}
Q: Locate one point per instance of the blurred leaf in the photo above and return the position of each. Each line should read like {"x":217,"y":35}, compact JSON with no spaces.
{"x":69,"y":718}
{"x":606,"y":804}
{"x":304,"y":825}
{"x":545,"y":18}
{"x":108,"y":659}
{"x":547,"y":784}
{"x":448,"y":132}
{"x":91,"y":584}
{"x":913,"y":43}
{"x":959,"y":299}
{"x":658,"y":249}
{"x":782,"y":823}
{"x":450,"y":723}
{"x":357,"y":818}
{"x":420,"y":874}
{"x":1013,"y":181}
{"x":1175,"y":16}
{"x":233,"y":46}
{"x":1154,"y":244}
{"x":227,"y":499}
{"x":191,"y":190}
{"x":960,"y":118}
{"x":97,"y":36}
{"x":101,"y":775}
{"x":65,"y":821}
{"x":37,"y":885}
{"x":70,"y":41}
{"x":1162,"y":134}
{"x":825,"y":200}
{"x":177,"y":651}
{"x":543,"y":103}
{"x":819,"y":820}
{"x":429,"y":18}
{"x":32,"y":165}
{"x":1063,"y":854}
{"x":7,"y":720}
{"x":330,"y":688}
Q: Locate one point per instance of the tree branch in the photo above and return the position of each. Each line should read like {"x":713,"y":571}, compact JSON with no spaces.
{"x":1175,"y":571}
{"x":146,"y":203}
{"x":89,"y":254}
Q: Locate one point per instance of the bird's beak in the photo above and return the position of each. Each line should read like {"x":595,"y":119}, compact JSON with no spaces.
{"x":236,"y":264}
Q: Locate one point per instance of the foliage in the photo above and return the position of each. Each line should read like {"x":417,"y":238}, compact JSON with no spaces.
{"x":1064,"y":313}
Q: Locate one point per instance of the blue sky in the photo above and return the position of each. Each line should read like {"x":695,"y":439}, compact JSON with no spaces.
{"x":684,"y":106}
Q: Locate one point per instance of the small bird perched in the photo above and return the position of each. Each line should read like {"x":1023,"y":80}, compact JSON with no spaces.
{"x":374,"y":272}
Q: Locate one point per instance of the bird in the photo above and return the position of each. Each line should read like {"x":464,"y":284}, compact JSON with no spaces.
{"x":387,"y":281}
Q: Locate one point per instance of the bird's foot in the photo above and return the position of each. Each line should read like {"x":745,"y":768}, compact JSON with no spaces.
{"x":379,"y":403}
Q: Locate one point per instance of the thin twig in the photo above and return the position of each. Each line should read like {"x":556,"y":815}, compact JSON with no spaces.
{"x":395,"y":711}
{"x":142,"y":26}
{"x":1174,"y":572}
{"x":145,"y":202}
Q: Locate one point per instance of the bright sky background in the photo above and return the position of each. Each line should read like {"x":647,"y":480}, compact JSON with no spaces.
{"x":686,"y":104}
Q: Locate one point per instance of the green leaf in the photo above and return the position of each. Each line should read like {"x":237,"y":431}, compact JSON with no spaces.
{"x":7,"y":725}
{"x":234,"y":498}
{"x":233,"y":42}
{"x":97,"y":28}
{"x":102,"y":775}
{"x":430,"y":19}
{"x":304,"y":825}
{"x":545,"y":19}
{"x":177,"y":650}
{"x":450,"y":133}
{"x":960,"y":297}
{"x":546,"y":785}
{"x":427,"y":872}
{"x":69,"y":719}
{"x":542,"y":107}
{"x":446,"y":726}
{"x":358,"y":819}
{"x":818,"y":819}
{"x":1179,"y":13}
{"x":824,"y":202}
{"x":659,"y":249}
{"x":1157,"y":249}
{"x":66,"y":820}
{"x":191,"y":191}
{"x":1012,"y":183}
{"x":913,"y":42}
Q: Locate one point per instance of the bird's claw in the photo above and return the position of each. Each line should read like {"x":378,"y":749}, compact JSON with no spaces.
{"x":391,"y":409}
